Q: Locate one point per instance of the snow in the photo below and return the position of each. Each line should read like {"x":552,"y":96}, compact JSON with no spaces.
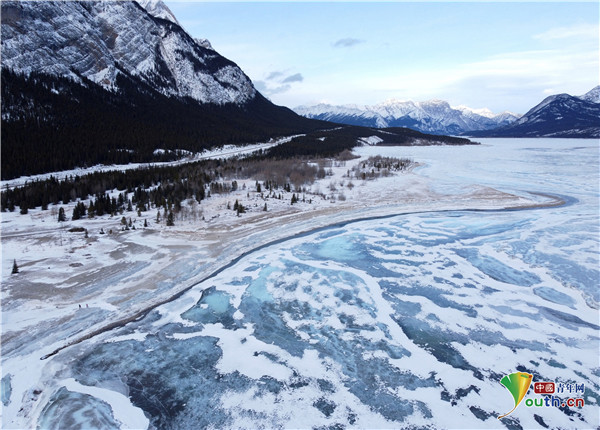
{"x":224,"y":151}
{"x":371,"y":140}
{"x":129,"y":416}
{"x":592,"y":96}
{"x":122,"y":273}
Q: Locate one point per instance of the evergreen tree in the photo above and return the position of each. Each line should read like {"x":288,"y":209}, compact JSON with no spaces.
{"x":61,"y":215}
{"x":24,"y":209}
{"x":77,"y":211}
{"x":240,"y":209}
{"x":170,"y":221}
{"x":15,"y":268}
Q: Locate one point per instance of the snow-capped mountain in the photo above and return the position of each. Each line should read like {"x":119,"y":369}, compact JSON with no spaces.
{"x":158,"y":9}
{"x":560,"y":115}
{"x":433,"y":116}
{"x":592,"y":95}
{"x":89,"y":82}
{"x":100,"y":40}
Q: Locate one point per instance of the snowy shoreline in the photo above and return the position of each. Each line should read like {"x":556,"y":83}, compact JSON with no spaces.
{"x":554,"y":202}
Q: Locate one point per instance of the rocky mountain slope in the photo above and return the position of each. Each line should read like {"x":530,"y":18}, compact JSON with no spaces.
{"x":433,"y":116}
{"x":101,"y":40}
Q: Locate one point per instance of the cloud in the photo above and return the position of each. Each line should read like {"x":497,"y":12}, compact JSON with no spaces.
{"x":586,"y":31}
{"x":268,"y":90}
{"x":274,"y":75}
{"x":347,"y":42}
{"x":278,"y":90}
{"x":277,"y":82}
{"x":293,"y":78}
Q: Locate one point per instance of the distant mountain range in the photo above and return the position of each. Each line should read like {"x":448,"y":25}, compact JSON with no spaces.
{"x":110,"y":82}
{"x":433,"y":116}
{"x":560,"y":115}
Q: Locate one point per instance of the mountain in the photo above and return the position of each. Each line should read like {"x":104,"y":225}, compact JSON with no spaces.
{"x":592,"y":96}
{"x":560,"y":115}
{"x":110,"y":81}
{"x":101,"y":40}
{"x":434,"y":116}
{"x":158,"y":9}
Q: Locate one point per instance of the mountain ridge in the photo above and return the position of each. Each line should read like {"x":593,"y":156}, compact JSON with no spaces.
{"x":558,"y":115}
{"x":432,"y":116}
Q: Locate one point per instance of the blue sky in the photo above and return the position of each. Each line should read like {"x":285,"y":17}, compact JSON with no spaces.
{"x":499,"y":55}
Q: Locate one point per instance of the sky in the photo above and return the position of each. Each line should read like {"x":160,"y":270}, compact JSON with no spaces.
{"x":496,"y":55}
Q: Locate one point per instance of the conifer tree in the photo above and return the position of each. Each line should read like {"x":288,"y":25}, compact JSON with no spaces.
{"x":170,"y":221}
{"x":61,"y":215}
{"x":15,"y":268}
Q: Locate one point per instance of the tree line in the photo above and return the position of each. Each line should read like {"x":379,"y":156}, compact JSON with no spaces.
{"x":160,"y":187}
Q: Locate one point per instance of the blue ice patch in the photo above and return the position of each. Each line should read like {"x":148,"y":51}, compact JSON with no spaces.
{"x":67,"y":409}
{"x":497,"y":270}
{"x":554,"y":296}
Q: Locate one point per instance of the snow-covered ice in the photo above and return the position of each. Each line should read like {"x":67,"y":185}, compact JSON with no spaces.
{"x":388,"y":322}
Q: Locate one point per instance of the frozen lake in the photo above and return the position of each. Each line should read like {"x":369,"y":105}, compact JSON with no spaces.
{"x":406,"y":321}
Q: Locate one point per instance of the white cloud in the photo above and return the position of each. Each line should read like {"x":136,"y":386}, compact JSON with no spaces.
{"x":587,"y":31}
